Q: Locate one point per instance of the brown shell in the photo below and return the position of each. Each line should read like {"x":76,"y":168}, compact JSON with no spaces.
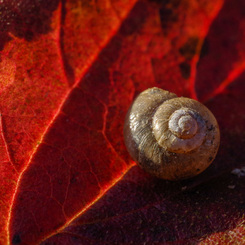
{"x":170,"y":137}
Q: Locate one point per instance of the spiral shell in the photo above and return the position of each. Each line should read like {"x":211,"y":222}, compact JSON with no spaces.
{"x":170,"y":137}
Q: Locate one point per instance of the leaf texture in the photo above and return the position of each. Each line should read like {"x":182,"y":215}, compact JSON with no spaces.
{"x":66,"y":84}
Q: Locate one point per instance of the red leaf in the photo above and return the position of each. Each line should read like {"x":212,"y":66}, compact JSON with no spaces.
{"x":141,"y":209}
{"x":69,"y":71}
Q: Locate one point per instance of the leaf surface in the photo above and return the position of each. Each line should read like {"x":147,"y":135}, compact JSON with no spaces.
{"x":68,"y":82}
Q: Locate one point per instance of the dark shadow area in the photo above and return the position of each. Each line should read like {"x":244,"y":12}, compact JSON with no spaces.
{"x":223,"y":48}
{"x":25,"y":18}
{"x":142,"y":209}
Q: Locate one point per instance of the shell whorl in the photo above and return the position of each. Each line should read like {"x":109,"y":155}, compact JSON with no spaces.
{"x":178,"y":128}
{"x":171,"y":137}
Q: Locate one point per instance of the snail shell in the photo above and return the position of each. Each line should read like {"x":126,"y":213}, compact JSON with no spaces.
{"x":170,"y":137}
